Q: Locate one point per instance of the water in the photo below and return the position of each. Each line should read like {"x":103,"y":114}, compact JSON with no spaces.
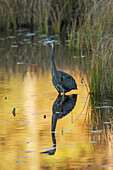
{"x":44,"y":133}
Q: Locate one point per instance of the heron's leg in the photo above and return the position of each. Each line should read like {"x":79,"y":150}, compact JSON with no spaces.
{"x":63,"y":93}
{"x":59,"y":93}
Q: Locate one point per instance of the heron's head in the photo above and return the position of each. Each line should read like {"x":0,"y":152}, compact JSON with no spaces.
{"x":49,"y":40}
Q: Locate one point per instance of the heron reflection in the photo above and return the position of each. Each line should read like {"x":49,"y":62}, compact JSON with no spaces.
{"x":61,"y":107}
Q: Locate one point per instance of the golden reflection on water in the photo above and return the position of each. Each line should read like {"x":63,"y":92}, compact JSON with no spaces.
{"x":24,"y":136}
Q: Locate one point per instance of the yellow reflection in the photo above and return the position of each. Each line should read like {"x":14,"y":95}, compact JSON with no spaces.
{"x":24,"y":136}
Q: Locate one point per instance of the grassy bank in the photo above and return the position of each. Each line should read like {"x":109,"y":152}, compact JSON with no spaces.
{"x":90,"y":22}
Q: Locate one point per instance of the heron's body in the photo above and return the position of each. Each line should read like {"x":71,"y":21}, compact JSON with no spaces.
{"x":62,"y":81}
{"x":65,"y":84}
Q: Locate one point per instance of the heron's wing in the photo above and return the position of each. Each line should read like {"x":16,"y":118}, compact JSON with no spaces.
{"x":68,"y":81}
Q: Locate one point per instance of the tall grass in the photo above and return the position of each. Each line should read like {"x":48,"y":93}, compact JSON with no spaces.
{"x":96,"y":37}
{"x":41,"y":14}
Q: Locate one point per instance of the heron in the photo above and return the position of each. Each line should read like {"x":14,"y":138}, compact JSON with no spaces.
{"x":62,"y":81}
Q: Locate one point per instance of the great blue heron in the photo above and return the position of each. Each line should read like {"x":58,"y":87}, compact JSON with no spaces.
{"x":62,"y":81}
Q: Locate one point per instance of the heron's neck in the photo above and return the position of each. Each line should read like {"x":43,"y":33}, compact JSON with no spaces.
{"x":53,"y":67}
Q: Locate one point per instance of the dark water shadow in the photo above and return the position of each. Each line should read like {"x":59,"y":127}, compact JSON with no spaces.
{"x":61,"y":107}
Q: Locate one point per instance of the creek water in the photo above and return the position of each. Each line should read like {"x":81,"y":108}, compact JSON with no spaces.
{"x":38,"y":128}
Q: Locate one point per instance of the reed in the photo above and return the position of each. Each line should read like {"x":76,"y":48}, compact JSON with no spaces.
{"x":41,"y":14}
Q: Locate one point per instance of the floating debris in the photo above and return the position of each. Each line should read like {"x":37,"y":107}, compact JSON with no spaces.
{"x":28,"y":151}
{"x":88,"y":163}
{"x":96,"y":131}
{"x":30,"y":34}
{"x":25,"y":122}
{"x":62,"y":144}
{"x":70,"y":146}
{"x":36,"y":113}
{"x":32,"y":140}
{"x":25,"y":40}
{"x":86,"y":102}
{"x":107,"y":122}
{"x":21,"y":157}
{"x":75,"y":57}
{"x":44,"y":116}
{"x":21,"y":162}
{"x":24,"y":142}
{"x":107,"y":166}
{"x":67,"y":130}
{"x":14,"y":114}
{"x":83,"y":97}
{"x":51,"y":148}
{"x":103,"y":107}
{"x":93,"y":142}
{"x":19,"y":34}
{"x":58,"y":112}
{"x":2,"y":123}
{"x":110,"y":157}
{"x":14,"y":46}
{"x":67,"y":40}
{"x":43,"y":35}
{"x":20,"y":63}
{"x":33,"y":95}
{"x":54,"y":132}
{"x":10,"y":37}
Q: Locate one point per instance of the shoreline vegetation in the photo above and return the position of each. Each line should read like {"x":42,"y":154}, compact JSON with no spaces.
{"x":88,"y":24}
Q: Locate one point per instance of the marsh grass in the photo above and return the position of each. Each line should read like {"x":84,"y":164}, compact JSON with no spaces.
{"x":41,"y":14}
{"x":95,"y":37}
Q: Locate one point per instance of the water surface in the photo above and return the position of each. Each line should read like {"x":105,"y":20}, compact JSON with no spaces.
{"x":45,"y":131}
